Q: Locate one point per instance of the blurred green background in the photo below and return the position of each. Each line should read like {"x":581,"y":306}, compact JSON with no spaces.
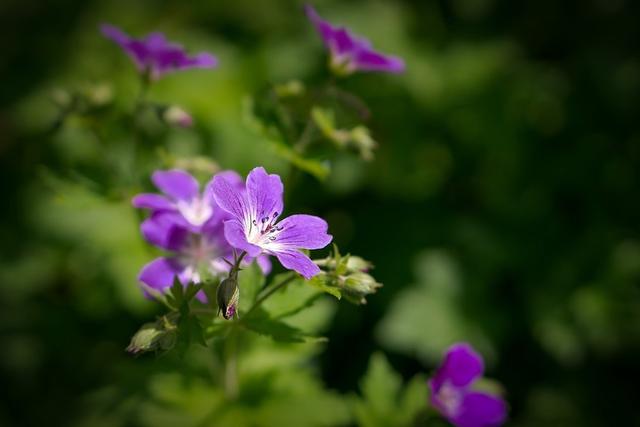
{"x":502,"y":206}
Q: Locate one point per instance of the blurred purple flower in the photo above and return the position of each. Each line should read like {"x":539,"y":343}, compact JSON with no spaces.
{"x":155,"y":55}
{"x":254,"y":227}
{"x":452,"y":394}
{"x":191,"y":253}
{"x":350,"y":53}
{"x":182,"y":194}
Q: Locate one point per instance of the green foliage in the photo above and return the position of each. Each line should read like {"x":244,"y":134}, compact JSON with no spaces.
{"x":178,"y":329}
{"x":273,"y":138}
{"x":358,"y":137}
{"x":260,"y":322}
{"x":156,"y":336}
{"x":423,"y":320}
{"x":345,"y":276}
{"x":386,"y":401}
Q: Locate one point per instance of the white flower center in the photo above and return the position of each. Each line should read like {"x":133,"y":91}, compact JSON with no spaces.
{"x":450,"y":397}
{"x":197,"y":211}
{"x":201,"y":255}
{"x":263,"y":230}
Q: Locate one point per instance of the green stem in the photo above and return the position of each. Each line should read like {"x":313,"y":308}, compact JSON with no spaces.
{"x":270,"y":291}
{"x":231,"y":366}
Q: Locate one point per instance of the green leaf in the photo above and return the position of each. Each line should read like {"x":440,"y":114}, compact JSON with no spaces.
{"x":318,"y":169}
{"x":261,"y":323}
{"x":423,"y":320}
{"x":385,"y":402}
{"x":175,"y":297}
{"x":250,"y":281}
{"x":381,"y":385}
{"x":320,"y":281}
{"x":189,"y":331}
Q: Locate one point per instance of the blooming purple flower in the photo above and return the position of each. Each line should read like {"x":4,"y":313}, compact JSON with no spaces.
{"x":182,"y":195}
{"x":190,"y":228}
{"x":155,"y":55}
{"x":452,"y":391}
{"x":351,"y":53}
{"x":254,"y":226}
{"x":192,"y":254}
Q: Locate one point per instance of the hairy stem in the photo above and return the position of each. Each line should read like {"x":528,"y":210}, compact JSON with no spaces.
{"x":231,"y":366}
{"x":270,"y":291}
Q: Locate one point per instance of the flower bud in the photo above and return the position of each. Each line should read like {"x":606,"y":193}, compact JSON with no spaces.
{"x":160,"y":335}
{"x":176,"y":116}
{"x":356,"y":286}
{"x":227,"y":297}
{"x":362,"y":141}
{"x":357,"y":264}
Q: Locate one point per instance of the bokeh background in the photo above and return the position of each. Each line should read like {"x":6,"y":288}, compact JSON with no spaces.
{"x":502,"y":206}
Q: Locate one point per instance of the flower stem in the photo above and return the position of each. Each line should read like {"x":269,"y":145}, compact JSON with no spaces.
{"x":231,"y":366}
{"x":270,"y":291}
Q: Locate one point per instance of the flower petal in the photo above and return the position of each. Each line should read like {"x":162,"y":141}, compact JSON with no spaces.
{"x":303,"y":231}
{"x":176,"y":183}
{"x":370,"y":60}
{"x":461,"y":366}
{"x":159,"y":273}
{"x":154,"y":202}
{"x":264,"y":193}
{"x":323,"y":27}
{"x":232,"y":177}
{"x":480,"y":410}
{"x":229,"y":197}
{"x":200,"y":60}
{"x":234,"y":233}
{"x":114,"y":33}
{"x":165,"y":230}
{"x":297,"y":261}
{"x":264,"y":263}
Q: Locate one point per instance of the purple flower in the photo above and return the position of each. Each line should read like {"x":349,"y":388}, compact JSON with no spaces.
{"x":351,"y":53}
{"x":155,"y":55}
{"x":192,"y":254}
{"x":182,"y":195}
{"x":190,"y":228}
{"x":254,"y":226}
{"x":452,"y":391}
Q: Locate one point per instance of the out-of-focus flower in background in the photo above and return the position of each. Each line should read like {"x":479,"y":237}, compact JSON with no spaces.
{"x":193,"y":255}
{"x":350,"y":53}
{"x":453,"y":395}
{"x":154,"y":55}
{"x":182,"y":195}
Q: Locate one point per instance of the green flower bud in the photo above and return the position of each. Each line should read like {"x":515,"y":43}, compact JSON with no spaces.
{"x":227,"y":296}
{"x":160,"y":335}
{"x":357,"y":286}
{"x":176,"y":116}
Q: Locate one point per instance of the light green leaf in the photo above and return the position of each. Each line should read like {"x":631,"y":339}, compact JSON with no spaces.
{"x":385,"y":402}
{"x":261,"y":323}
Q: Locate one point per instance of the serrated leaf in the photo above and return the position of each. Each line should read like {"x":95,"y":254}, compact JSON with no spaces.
{"x":319,"y":282}
{"x":385,"y":402}
{"x":189,"y":331}
{"x":261,"y":323}
{"x":381,"y":384}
